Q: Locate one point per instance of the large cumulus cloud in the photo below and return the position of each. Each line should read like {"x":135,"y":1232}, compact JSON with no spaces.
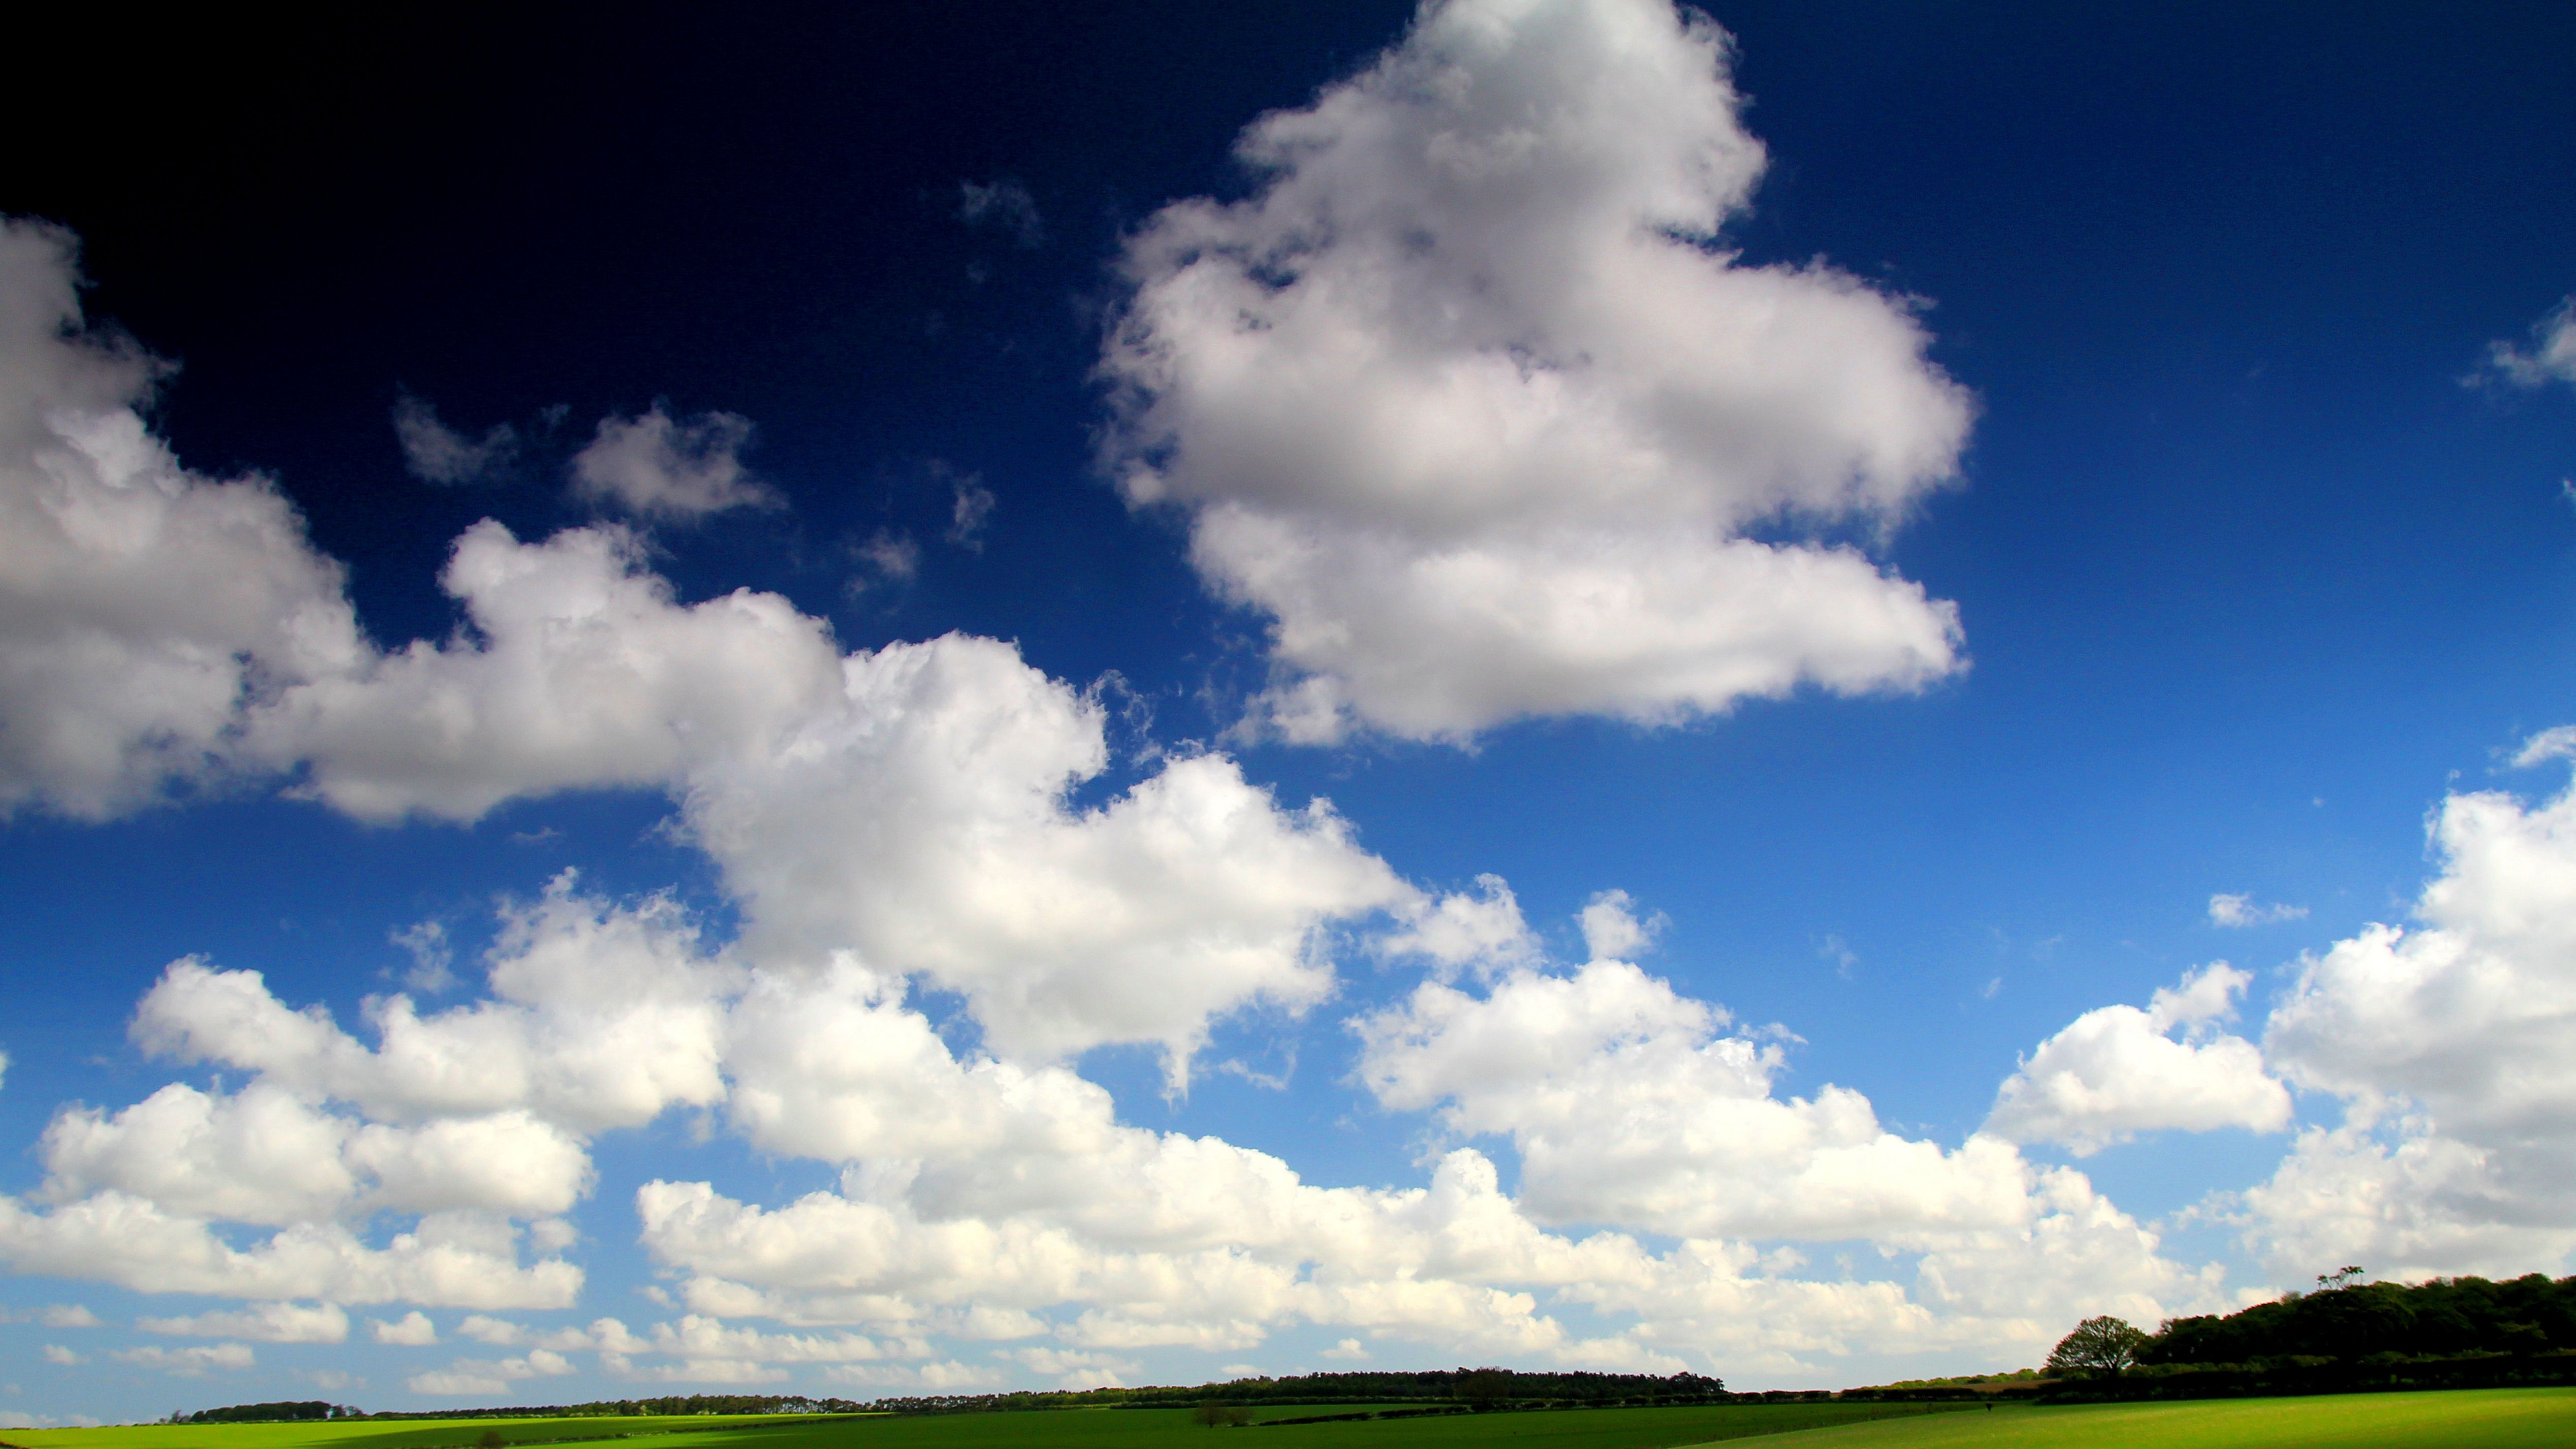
{"x":1472,"y":402}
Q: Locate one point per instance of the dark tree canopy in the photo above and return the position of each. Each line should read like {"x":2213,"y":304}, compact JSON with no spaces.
{"x":2530,"y":1314}
{"x":2098,"y":1348}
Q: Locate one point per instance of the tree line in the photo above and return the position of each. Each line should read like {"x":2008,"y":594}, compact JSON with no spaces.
{"x":1477,"y":1388}
{"x":2343,"y":1321}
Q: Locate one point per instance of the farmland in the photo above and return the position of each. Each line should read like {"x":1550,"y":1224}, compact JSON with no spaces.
{"x":2471,"y":1419}
{"x":1068,"y":1428}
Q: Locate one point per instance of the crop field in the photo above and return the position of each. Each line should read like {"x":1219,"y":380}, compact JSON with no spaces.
{"x":396,"y":1433}
{"x":2462,"y":1419}
{"x":1068,"y":1428}
{"x":2449,"y":1419}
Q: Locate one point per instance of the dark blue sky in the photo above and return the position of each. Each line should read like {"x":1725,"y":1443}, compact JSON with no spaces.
{"x":2255,"y":558}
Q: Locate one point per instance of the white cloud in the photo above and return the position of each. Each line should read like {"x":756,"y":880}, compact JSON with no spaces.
{"x":1484,"y":930}
{"x":68,"y":1315}
{"x":261,"y":1323}
{"x":2448,"y":1043}
{"x":600,"y":1016}
{"x":2117,"y":1071}
{"x":469,"y":1376}
{"x":922,"y":823}
{"x":1472,"y":403}
{"x":1630,"y":1105}
{"x":2551,"y":358}
{"x":432,"y":959}
{"x":141,"y":606}
{"x":583,"y":673}
{"x":659,"y":467}
{"x":262,"y":1156}
{"x":971,"y":507}
{"x":412,"y":1330}
{"x":2241,"y":910}
{"x":446,"y":1260}
{"x":907,"y":803}
{"x":1611,"y":930}
{"x":433,"y":452}
{"x":1349,"y":1350}
{"x":62,"y":1357}
{"x":890,"y":557}
{"x":191,"y":1362}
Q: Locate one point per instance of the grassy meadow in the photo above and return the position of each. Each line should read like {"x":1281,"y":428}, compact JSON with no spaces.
{"x":1057,"y":1429}
{"x":2458,"y":1419}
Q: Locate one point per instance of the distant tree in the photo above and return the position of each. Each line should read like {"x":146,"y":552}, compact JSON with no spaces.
{"x":2340,"y":1278}
{"x":2098,"y":1348}
{"x":1217,"y":1415}
{"x":491,"y":1440}
{"x":1485,"y":1389}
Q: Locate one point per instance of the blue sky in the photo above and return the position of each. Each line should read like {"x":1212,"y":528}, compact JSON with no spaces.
{"x":993,"y":696}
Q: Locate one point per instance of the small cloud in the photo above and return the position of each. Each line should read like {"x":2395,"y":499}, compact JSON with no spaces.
{"x":1843,"y":956}
{"x":263,"y":1323}
{"x":2552,"y":357}
{"x":2558,"y":743}
{"x":1483,"y":930}
{"x":1611,"y":930}
{"x":191,"y":1362}
{"x":433,"y":452}
{"x":1004,"y":205}
{"x":972,"y":509}
{"x":412,"y":1330}
{"x":431,"y":956}
{"x":498,"y":1332}
{"x":679,"y":469}
{"x":535,"y":837}
{"x":1349,"y":1349}
{"x":61,"y":1357}
{"x":887,"y":559}
{"x":1997,"y":984}
{"x":68,"y":1315}
{"x":2238,"y":911}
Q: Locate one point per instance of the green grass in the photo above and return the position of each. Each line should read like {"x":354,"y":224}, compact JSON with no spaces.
{"x":382,"y":1433}
{"x":2449,"y":1419}
{"x":1057,"y":1429}
{"x":2458,"y":1419}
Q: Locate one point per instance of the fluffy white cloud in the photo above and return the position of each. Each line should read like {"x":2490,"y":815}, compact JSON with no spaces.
{"x":141,"y":606}
{"x":2448,"y":1042}
{"x":2117,"y":1071}
{"x":2551,"y":357}
{"x":1471,"y":401}
{"x":661,"y":467}
{"x":471,"y":1376}
{"x":1484,"y":930}
{"x":906,"y":803}
{"x":452,"y":1260}
{"x":582,"y":673}
{"x":262,"y":1156}
{"x":412,"y":1330}
{"x":1631,"y":1104}
{"x":600,"y":1016}
{"x":262,"y":1323}
{"x":922,"y":822}
{"x":1611,"y":930}
{"x":437,"y":453}
{"x":191,"y":1362}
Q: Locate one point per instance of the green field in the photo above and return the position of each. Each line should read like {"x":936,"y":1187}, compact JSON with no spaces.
{"x":391,"y":1433}
{"x":1068,"y":1428}
{"x":2459,"y":1419}
{"x":2448,"y":1419}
